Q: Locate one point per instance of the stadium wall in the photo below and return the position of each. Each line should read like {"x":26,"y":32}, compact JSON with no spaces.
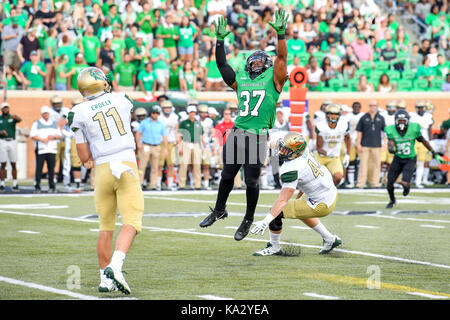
{"x":27,"y":105}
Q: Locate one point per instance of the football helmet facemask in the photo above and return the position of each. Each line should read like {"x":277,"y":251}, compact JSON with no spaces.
{"x":255,"y":69}
{"x":333,"y":109}
{"x":93,"y":81}
{"x":291,"y":146}
{"x":402,"y":121}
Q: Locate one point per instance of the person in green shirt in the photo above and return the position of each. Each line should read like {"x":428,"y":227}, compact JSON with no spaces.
{"x":295,"y":44}
{"x":442,"y":68}
{"x":424,"y":71}
{"x":213,"y":76}
{"x":67,"y":49}
{"x":170,"y":34}
{"x":61,"y":73}
{"x":188,"y":33}
{"x":147,"y":80}
{"x":175,"y":76}
{"x":113,"y":16}
{"x":75,"y":70}
{"x":188,"y":77}
{"x":140,"y":54}
{"x":50,"y":47}
{"x":401,"y":140}
{"x":118,"y":44}
{"x":146,"y":20}
{"x":126,"y":71}
{"x":12,"y":78}
{"x":33,"y":73}
{"x":440,"y":26}
{"x":160,"y":59}
{"x":90,"y":46}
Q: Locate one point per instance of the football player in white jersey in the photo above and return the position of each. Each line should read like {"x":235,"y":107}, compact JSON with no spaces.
{"x":170,"y":120}
{"x":319,"y":115}
{"x":102,"y":130}
{"x":425,"y":120}
{"x":353,"y":119}
{"x":330,"y":134}
{"x":208,"y":151}
{"x":301,"y":170}
{"x":387,"y":157}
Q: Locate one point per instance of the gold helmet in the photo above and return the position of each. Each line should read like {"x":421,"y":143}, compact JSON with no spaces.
{"x":325,"y":104}
{"x":92,"y":81}
{"x":429,"y":106}
{"x":56,"y":102}
{"x":232,"y":105}
{"x":401,"y":104}
{"x":333,"y":108}
{"x":291,"y":146}
{"x":421,"y":107}
{"x":76,"y":100}
{"x":139,"y":112}
{"x":391,"y":105}
{"x":203,"y":108}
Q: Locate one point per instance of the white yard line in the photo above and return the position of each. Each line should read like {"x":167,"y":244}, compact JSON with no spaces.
{"x":427,"y":295}
{"x":432,"y":226}
{"x":406,"y":219}
{"x":320,"y":296}
{"x":368,"y":254}
{"x":212,"y":297}
{"x":366,"y":227}
{"x":29,"y":232}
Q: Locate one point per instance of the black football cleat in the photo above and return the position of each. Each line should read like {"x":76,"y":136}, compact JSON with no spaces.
{"x":243,"y":229}
{"x":406,"y":190}
{"x":390,"y":205}
{"x":213,"y":217}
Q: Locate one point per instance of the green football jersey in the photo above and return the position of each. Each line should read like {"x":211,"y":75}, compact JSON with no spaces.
{"x":404,"y":145}
{"x":257,"y":101}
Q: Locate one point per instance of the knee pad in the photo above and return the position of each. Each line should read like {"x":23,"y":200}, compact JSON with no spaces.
{"x":76,"y":168}
{"x":276,"y":224}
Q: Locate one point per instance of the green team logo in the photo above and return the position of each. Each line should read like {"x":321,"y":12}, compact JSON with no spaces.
{"x":96,"y":74}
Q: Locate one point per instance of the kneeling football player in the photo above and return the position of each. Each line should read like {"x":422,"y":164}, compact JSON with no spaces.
{"x":300,"y":169}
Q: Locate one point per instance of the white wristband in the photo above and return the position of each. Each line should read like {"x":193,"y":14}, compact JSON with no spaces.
{"x":269,"y":218}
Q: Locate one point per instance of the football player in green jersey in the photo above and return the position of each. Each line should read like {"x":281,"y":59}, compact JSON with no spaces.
{"x":402,"y":136}
{"x":258,"y":87}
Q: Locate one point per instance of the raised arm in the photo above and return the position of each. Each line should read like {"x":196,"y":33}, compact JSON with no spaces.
{"x":227,"y":72}
{"x":280,"y":64}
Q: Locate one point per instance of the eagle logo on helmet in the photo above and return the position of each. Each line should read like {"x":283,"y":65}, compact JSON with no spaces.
{"x":291,"y":146}
{"x":93,"y":81}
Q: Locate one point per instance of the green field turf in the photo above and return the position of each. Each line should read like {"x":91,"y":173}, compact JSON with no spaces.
{"x":383,"y":256}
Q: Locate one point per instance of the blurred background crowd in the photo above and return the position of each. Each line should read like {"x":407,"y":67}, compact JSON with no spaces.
{"x":156,"y":45}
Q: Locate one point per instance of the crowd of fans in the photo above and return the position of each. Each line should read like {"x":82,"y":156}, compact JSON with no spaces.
{"x":155,"y":45}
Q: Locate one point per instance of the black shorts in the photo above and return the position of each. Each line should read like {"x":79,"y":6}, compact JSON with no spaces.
{"x":243,"y":147}
{"x":399,"y":166}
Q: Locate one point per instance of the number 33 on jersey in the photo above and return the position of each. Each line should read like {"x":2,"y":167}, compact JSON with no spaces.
{"x":105,"y":123}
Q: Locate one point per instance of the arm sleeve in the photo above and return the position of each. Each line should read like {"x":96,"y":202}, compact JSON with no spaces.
{"x":227,"y":72}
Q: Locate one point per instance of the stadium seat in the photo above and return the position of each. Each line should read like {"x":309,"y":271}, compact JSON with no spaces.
{"x":382,"y":65}
{"x":408,"y":75}
{"x":335,"y":84}
{"x":375,"y":75}
{"x":404,"y":85}
{"x":421,"y":85}
{"x":304,"y":57}
{"x":436,"y":84}
{"x":366,"y":66}
{"x":290,"y":58}
{"x":353,"y":84}
{"x":319,"y":55}
{"x":393,"y":75}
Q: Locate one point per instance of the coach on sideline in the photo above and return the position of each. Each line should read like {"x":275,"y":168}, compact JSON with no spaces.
{"x":46,"y":133}
{"x":8,"y":145}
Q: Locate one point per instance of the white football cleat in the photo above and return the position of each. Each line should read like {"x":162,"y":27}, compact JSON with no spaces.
{"x":330,"y":245}
{"x":107,"y":285}
{"x":269,"y":250}
{"x":118,"y":279}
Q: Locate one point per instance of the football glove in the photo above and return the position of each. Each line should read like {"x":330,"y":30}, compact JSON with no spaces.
{"x":259,"y":227}
{"x":437,"y":157}
{"x":346,"y":161}
{"x":221,"y":28}
{"x":281,"y":19}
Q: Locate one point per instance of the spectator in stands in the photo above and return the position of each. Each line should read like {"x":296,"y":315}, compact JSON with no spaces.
{"x":95,"y":18}
{"x":347,"y":69}
{"x":46,"y":133}
{"x":170,"y":35}
{"x":415,"y":58}
{"x":28,"y":44}
{"x":106,"y":56}
{"x":139,"y":54}
{"x":75,"y":70}
{"x":46,"y":14}
{"x":90,"y":46}
{"x":11,"y":37}
{"x":160,"y":59}
{"x":425,"y":47}
{"x":188,"y":35}
{"x":128,"y":16}
{"x":67,"y":49}
{"x":33,"y":73}
{"x":213,"y":76}
{"x":147,"y":80}
{"x":388,"y":54}
{"x":446,"y":84}
{"x":188,"y":77}
{"x":175,"y":76}
{"x":13,"y":78}
{"x":328,"y":71}
{"x":362,"y":50}
{"x":425,"y":71}
{"x":242,"y":33}
{"x":61,"y":73}
{"x":314,"y":74}
{"x":384,"y":84}
{"x":215,"y":9}
{"x":126,"y":71}
{"x":421,"y":11}
{"x":370,"y":128}
{"x":364,"y":85}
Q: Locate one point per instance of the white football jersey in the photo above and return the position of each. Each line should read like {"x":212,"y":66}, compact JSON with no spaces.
{"x":353,"y":120}
{"x":307,"y":174}
{"x":319,"y":116}
{"x":208,"y":125}
{"x":171,"y":123}
{"x":424,"y":121}
{"x":332,"y":138}
{"x":105,"y":122}
{"x":389,"y":119}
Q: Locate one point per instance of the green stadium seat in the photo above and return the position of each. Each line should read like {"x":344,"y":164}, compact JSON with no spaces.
{"x":393,"y":75}
{"x":366,"y":66}
{"x":352,"y":84}
{"x":436,"y":84}
{"x":375,"y":75}
{"x":382,"y":65}
{"x":421,"y":85}
{"x":319,"y":55}
{"x":335,"y":84}
{"x":304,"y":57}
{"x":290,"y":58}
{"x":408,"y":75}
{"x":404,"y":85}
